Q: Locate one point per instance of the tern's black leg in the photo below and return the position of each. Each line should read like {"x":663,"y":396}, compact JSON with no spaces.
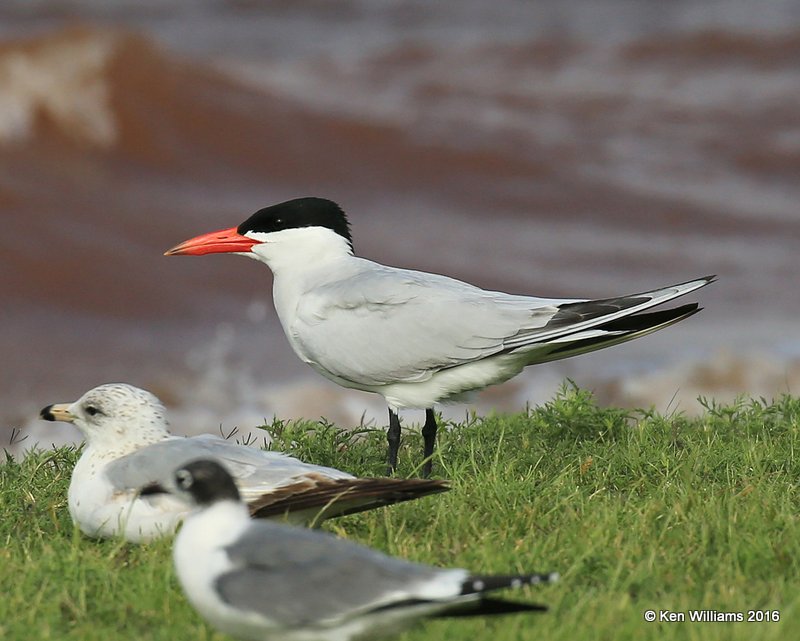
{"x":429,"y":434}
{"x":393,"y":436}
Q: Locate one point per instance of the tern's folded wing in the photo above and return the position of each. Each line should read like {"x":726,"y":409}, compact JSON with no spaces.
{"x":387,"y":325}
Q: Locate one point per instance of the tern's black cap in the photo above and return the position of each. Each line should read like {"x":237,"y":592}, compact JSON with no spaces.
{"x":300,"y":212}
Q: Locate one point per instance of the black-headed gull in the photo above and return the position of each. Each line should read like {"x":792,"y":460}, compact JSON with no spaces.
{"x":416,"y":338}
{"x":262,"y":580}
{"x":128,"y":445}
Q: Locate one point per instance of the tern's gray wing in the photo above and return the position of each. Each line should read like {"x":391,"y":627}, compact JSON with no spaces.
{"x":384,"y":325}
{"x":255,"y":471}
{"x":300,"y":577}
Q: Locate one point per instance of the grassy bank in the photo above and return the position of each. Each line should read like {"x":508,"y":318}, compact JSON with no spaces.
{"x":636,"y":511}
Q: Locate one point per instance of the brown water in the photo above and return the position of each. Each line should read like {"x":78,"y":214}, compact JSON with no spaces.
{"x":570,"y":149}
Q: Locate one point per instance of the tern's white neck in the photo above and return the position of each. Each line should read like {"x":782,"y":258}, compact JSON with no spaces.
{"x":299,"y":249}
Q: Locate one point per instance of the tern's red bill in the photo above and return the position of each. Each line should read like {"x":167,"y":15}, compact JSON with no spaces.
{"x":224,"y":241}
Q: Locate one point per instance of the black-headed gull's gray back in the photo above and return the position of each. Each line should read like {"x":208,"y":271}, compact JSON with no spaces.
{"x":263,"y":580}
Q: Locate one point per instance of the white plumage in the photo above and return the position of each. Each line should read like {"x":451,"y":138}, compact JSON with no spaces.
{"x":416,"y":338}
{"x":266,"y":581}
{"x":128,"y":446}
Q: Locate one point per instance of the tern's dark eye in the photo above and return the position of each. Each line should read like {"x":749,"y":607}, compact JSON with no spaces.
{"x":91,"y":410}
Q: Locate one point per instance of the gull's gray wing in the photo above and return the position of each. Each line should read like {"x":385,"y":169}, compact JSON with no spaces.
{"x":321,"y":497}
{"x":255,"y":471}
{"x":384,"y":325}
{"x":298,"y":577}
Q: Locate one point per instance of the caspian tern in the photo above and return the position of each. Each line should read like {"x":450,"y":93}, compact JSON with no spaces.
{"x":416,"y":338}
{"x":263,"y":580}
{"x":128,"y":445}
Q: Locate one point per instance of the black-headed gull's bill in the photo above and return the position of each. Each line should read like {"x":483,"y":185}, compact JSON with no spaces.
{"x":414,"y":337}
{"x":128,"y":446}
{"x":264,"y":580}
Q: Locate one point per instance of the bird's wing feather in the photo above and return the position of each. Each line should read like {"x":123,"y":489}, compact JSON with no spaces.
{"x":575,"y":317}
{"x":391,"y":325}
{"x":302,"y":577}
{"x":386,"y":325}
{"x":335,"y":497}
{"x":255,"y":471}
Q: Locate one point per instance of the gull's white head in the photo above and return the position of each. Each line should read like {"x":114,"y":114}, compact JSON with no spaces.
{"x":302,"y":229}
{"x":115,"y":414}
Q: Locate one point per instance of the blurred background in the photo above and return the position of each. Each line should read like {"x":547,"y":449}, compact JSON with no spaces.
{"x":575,"y":148}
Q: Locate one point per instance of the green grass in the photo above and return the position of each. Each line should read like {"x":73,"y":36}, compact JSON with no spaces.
{"x":636,"y":511}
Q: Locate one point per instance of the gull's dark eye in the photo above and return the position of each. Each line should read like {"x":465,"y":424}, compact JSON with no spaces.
{"x":184,"y":479}
{"x":91,"y":410}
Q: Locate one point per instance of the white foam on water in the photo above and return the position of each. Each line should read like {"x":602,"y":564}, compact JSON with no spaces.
{"x":63,"y":80}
